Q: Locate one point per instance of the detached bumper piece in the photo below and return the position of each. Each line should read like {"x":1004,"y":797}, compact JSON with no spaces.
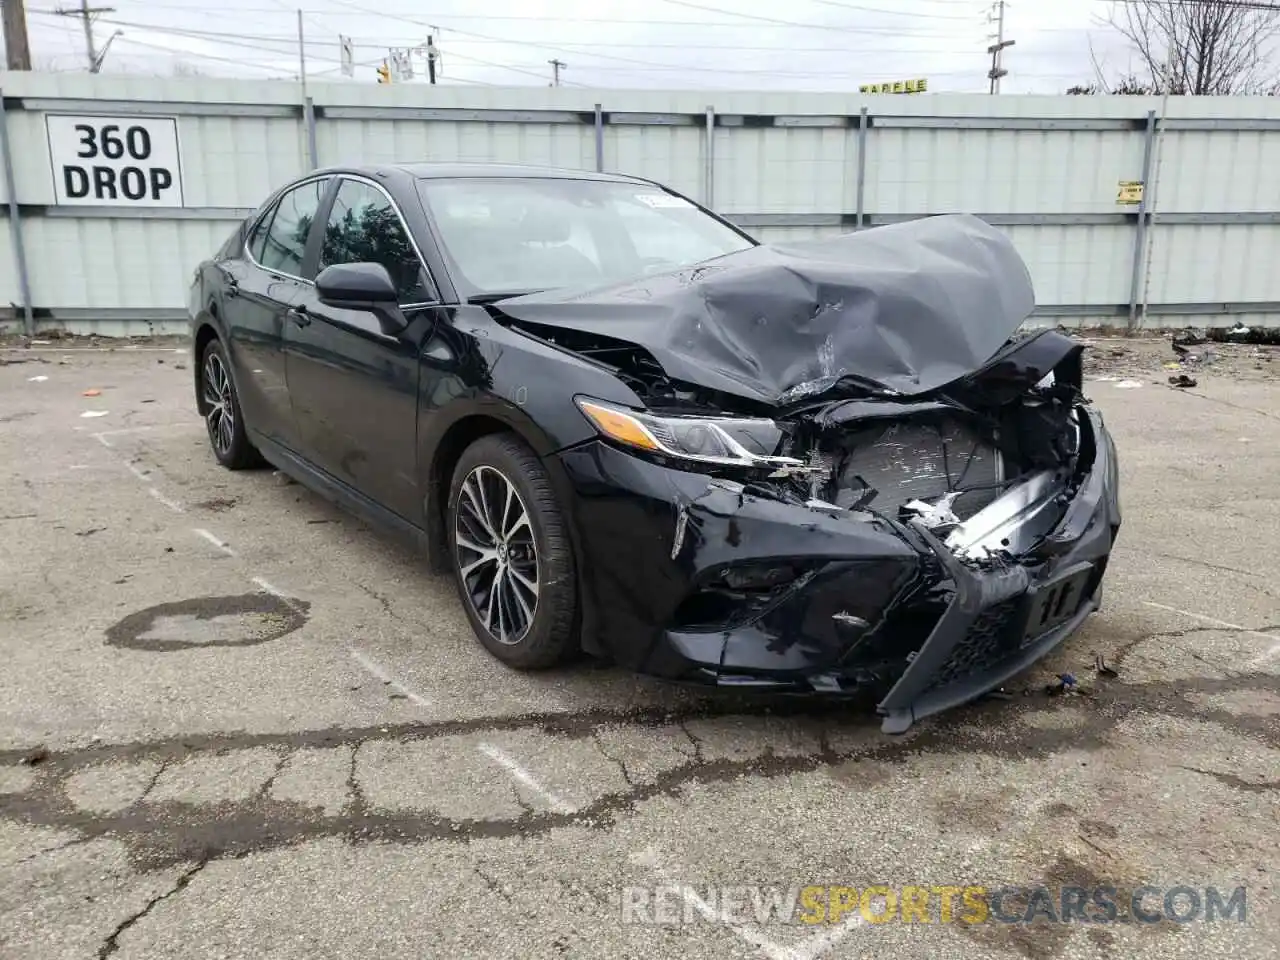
{"x":994,"y":627}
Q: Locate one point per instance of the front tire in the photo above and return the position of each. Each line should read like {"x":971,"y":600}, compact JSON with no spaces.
{"x":511,"y":554}
{"x":222,"y":417}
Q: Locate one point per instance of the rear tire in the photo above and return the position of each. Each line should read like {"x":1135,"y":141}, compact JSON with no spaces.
{"x":223,"y":420}
{"x":511,"y":554}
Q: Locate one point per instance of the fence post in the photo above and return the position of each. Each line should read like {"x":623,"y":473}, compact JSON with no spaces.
{"x":309,"y":117}
{"x":15,"y":225}
{"x":1139,"y":237}
{"x":599,"y":139}
{"x":709,"y":174}
{"x":862,"y":167}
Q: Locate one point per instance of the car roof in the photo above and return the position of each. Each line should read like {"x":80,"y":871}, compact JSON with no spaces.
{"x":435,"y":171}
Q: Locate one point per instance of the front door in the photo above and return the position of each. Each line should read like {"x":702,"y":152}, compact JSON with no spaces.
{"x":354,"y":387}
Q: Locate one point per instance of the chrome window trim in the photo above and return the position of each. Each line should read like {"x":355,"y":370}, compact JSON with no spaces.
{"x":258,"y":222}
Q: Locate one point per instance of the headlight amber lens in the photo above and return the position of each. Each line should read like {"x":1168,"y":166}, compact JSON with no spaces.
{"x":724,"y":440}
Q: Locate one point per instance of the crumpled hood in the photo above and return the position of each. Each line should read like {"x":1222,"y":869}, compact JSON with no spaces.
{"x":912,"y":307}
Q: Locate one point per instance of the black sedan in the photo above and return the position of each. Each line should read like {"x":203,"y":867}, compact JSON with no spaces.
{"x":625,"y":427}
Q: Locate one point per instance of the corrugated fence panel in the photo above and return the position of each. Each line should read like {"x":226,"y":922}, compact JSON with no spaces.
{"x":1208,"y":263}
{"x":412,"y":140}
{"x":1219,"y":171}
{"x":792,"y":234}
{"x":999,"y":171}
{"x":118,"y":264}
{"x":669,"y":154}
{"x":1077,"y":264}
{"x":237,"y":161}
{"x":786,"y":170}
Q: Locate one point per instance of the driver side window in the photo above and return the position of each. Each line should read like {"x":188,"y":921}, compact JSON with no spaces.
{"x":364,"y":227}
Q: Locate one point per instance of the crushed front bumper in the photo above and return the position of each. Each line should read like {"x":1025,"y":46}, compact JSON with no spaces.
{"x":868,"y":606}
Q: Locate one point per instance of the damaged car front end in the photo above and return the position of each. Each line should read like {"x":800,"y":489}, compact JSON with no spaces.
{"x":845,"y":473}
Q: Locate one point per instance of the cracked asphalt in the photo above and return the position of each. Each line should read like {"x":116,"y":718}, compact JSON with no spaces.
{"x":235,"y":722}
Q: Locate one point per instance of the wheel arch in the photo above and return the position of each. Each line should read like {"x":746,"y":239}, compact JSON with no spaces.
{"x":460,"y":434}
{"x":206,"y":330}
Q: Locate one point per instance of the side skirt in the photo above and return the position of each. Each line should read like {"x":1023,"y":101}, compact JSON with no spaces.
{"x":342,"y":494}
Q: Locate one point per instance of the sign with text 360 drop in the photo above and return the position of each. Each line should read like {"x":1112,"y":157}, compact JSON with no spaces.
{"x":115,"y":161}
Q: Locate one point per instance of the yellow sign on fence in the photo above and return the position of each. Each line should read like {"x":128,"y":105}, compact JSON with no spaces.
{"x":897,"y":86}
{"x":1130,"y":192}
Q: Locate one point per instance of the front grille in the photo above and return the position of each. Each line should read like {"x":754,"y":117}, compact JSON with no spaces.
{"x":991,"y":638}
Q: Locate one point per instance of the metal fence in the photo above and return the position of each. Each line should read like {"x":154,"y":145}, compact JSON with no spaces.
{"x":1129,"y":211}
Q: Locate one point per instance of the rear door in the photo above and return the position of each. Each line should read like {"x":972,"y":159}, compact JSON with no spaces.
{"x":354,"y":386}
{"x":261,"y":288}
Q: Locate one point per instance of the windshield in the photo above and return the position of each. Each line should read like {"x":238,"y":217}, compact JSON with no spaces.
{"x":508,"y":236}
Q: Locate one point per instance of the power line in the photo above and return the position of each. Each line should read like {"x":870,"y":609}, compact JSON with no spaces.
{"x":351,"y":4}
{"x":204,"y":56}
{"x":894,"y":13}
{"x":774,"y":20}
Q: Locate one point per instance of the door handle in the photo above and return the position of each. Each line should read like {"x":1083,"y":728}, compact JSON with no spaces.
{"x":299,"y":316}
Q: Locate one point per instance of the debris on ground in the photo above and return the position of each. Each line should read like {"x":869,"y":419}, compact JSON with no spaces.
{"x":33,"y":757}
{"x":1066,"y":683}
{"x":94,"y":413}
{"x":1129,"y":384}
{"x":1124,"y":358}
{"x":1100,"y":666}
{"x":1182,"y":380}
{"x":92,"y":392}
{"x":216,"y":504}
{"x":40,"y":379}
{"x":1188,"y":338}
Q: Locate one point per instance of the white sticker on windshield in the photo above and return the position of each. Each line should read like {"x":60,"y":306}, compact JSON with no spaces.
{"x":662,"y":200}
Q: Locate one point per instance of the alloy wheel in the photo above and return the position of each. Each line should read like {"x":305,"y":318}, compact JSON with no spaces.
{"x":221,"y":418}
{"x":496,"y":554}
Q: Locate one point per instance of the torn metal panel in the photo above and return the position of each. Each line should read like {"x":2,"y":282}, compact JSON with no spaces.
{"x":905,"y":309}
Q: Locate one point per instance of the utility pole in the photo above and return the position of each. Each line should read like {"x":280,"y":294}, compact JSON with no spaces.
{"x":15,"y":35}
{"x":302,"y":56}
{"x":432,"y":55}
{"x":997,"y":49}
{"x":556,"y":67}
{"x":86,"y":13}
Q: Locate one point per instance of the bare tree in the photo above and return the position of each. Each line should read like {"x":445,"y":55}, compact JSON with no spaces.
{"x":1211,"y":47}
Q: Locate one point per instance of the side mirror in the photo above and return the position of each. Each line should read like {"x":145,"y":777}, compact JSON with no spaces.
{"x":362,"y":286}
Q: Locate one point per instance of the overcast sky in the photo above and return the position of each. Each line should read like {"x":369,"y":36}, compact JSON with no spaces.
{"x":671,"y":44}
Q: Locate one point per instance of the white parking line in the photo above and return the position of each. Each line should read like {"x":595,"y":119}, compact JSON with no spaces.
{"x":184,"y":425}
{"x":171,"y":504}
{"x":809,"y":949}
{"x":386,"y":678}
{"x":508,"y":763}
{"x":774,"y":951}
{"x":276,"y":592}
{"x":213,"y":538}
{"x":136,"y":472}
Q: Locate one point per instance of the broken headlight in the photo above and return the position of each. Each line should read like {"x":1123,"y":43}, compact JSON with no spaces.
{"x":729,"y":441}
